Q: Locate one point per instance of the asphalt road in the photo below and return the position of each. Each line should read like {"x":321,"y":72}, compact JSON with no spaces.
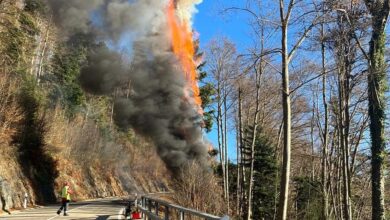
{"x":98,"y":209}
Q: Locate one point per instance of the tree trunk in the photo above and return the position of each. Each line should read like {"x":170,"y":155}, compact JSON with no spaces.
{"x":277,"y":159}
{"x":339,"y":185}
{"x":312,"y":176}
{"x":325,"y":134}
{"x":242,"y":159}
{"x":342,"y":138}
{"x":220,"y":133}
{"x":376,"y":99}
{"x":238,"y":189}
{"x":285,"y":178}
{"x":226,"y":146}
{"x":253,"y":141}
{"x":42,"y":53}
{"x":344,"y":52}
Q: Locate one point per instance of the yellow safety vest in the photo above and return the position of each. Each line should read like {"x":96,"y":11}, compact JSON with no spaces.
{"x":65,"y":194}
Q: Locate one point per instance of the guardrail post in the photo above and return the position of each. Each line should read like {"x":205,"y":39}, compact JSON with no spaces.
{"x":143,"y":206}
{"x":181,"y":215}
{"x":166,"y":217}
{"x":25,"y":200}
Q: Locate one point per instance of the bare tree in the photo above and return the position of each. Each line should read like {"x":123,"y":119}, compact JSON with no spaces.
{"x":285,"y":10}
{"x":324,"y":164}
{"x":222,"y":60}
{"x":193,"y":187}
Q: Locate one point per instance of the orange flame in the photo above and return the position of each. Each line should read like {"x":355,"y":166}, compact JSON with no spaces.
{"x":183,"y":47}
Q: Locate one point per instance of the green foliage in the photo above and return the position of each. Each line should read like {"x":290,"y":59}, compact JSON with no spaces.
{"x":28,"y":24}
{"x":17,"y":40}
{"x":201,"y":74}
{"x":207,"y":92}
{"x":66,"y":67}
{"x":265,"y":178}
{"x":32,"y":97}
{"x":14,"y":38}
{"x":102,"y":107}
{"x":232,"y":175}
{"x":308,"y":198}
{"x":208,"y":120}
{"x":246,"y":149}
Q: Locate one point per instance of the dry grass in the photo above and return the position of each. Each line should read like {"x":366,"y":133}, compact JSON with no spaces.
{"x":198,"y":189}
{"x":11,"y":116}
{"x":88,"y":156}
{"x":10,"y":112}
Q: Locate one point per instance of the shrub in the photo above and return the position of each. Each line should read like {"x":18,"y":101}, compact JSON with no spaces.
{"x":197,"y":188}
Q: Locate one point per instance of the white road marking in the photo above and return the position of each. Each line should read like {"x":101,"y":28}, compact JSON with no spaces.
{"x":68,"y":211}
{"x":120,"y":213}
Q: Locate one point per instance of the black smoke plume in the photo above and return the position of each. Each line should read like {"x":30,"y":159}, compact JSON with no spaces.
{"x":157,"y":107}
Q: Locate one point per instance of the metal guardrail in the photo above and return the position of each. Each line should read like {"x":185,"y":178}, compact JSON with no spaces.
{"x":156,"y":209}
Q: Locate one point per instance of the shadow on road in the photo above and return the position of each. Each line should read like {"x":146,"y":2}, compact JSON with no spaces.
{"x":103,"y":217}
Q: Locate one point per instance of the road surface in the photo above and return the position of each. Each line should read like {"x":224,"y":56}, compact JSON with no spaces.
{"x":98,"y":209}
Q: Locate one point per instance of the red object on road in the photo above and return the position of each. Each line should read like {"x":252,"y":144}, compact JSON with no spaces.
{"x":136,"y":215}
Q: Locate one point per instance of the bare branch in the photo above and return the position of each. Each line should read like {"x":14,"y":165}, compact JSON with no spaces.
{"x":309,"y":80}
{"x":289,"y":9}
{"x":281,"y":8}
{"x":256,"y":16}
{"x":365,"y":54}
{"x":300,"y":41}
{"x":243,"y":9}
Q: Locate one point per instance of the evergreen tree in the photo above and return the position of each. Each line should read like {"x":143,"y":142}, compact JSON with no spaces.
{"x":265,"y":178}
{"x":66,"y":67}
{"x":207,"y":91}
{"x":308,"y":198}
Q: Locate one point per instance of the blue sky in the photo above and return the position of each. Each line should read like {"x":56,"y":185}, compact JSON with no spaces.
{"x":210,"y":22}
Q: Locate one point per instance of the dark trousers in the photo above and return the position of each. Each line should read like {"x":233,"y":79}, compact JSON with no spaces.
{"x":64,"y":206}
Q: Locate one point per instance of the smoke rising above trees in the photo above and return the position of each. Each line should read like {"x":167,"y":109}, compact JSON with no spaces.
{"x":158,"y":107}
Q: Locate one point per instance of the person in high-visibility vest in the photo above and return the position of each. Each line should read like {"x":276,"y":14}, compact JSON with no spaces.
{"x":65,"y":198}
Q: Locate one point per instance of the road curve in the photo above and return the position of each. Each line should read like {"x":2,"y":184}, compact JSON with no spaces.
{"x":98,"y":209}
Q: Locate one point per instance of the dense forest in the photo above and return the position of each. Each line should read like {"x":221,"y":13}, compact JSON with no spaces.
{"x":307,"y":104}
{"x":93,"y":92}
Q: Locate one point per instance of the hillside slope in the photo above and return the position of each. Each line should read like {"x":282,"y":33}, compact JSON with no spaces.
{"x":50,"y":130}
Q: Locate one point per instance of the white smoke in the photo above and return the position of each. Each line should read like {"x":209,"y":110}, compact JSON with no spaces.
{"x":186,"y":9}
